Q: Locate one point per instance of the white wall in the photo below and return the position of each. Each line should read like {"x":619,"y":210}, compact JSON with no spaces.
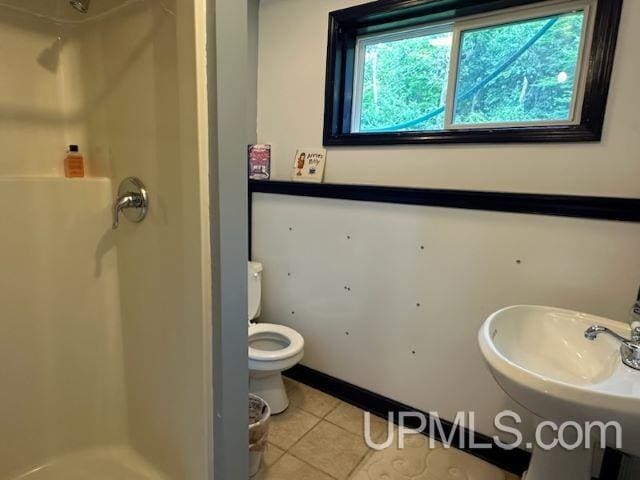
{"x":293,"y":36}
{"x":253,"y":14}
{"x":468,"y":266}
{"x":354,"y":279}
{"x":61,"y":351}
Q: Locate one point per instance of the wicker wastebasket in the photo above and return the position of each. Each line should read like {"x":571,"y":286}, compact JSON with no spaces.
{"x":259,"y":415}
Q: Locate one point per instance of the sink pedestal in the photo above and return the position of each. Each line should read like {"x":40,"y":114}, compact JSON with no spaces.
{"x":559,"y":463}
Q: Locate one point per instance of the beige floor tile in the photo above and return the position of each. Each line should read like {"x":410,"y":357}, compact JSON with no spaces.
{"x":352,"y":419}
{"x":394,"y":463}
{"x":309,"y":399}
{"x":304,"y":447}
{"x":271,"y":455}
{"x":331,"y":449}
{"x":450,"y":460}
{"x":419,"y":460}
{"x":290,"y":468}
{"x":288,"y":427}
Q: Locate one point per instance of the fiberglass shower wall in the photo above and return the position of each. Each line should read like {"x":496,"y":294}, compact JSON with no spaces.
{"x":103,"y":337}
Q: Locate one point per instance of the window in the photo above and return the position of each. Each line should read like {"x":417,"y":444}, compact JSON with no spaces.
{"x":399,"y":77}
{"x":537,"y":71}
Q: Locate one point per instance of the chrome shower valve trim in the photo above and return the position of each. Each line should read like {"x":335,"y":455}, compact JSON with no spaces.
{"x":132,"y":201}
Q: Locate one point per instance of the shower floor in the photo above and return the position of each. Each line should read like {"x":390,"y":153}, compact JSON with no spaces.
{"x":107,"y":463}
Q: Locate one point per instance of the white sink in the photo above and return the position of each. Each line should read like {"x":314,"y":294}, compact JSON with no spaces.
{"x":541,"y":358}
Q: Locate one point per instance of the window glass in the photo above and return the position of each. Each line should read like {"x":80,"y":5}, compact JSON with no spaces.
{"x":519,"y":72}
{"x":404,"y":83}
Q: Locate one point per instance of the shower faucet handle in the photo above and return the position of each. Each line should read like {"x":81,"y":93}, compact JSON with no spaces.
{"x":132,"y":201}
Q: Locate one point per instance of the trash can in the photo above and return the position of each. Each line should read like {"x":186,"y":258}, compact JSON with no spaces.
{"x":259,"y":414}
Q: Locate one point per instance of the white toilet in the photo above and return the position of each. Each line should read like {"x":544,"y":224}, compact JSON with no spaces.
{"x":272,"y":349}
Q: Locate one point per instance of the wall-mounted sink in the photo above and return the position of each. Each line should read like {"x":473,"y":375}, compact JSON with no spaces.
{"x":541,"y":358}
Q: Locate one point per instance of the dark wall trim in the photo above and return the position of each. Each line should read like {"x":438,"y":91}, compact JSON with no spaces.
{"x":599,"y":208}
{"x":611,"y":464}
{"x":515,"y":461}
{"x":383,"y":15}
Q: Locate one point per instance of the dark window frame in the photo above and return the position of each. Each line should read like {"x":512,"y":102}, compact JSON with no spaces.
{"x":384,"y":15}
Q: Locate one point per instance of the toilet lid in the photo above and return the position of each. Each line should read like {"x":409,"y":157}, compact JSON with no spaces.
{"x":254,"y":289}
{"x":294,"y":339}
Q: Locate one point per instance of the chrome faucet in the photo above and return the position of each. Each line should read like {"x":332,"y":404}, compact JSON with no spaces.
{"x":129,"y":200}
{"x":132,"y":200}
{"x":629,"y":348}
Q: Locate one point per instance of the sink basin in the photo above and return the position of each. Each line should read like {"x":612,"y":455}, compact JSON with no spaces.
{"x":541,"y":359}
{"x":549,"y":343}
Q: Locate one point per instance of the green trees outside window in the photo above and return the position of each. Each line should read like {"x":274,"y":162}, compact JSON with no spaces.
{"x":537,"y":86}
{"x":522,"y":71}
{"x":404,"y":79}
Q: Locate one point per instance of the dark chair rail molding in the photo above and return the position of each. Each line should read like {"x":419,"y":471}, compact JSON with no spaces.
{"x":598,"y":208}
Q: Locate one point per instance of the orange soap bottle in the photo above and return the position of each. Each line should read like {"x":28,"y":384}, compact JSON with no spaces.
{"x":74,"y":163}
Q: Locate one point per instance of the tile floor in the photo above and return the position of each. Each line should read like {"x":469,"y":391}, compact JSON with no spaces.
{"x":320,"y":438}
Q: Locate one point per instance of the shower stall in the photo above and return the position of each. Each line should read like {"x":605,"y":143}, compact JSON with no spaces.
{"x":105,"y":341}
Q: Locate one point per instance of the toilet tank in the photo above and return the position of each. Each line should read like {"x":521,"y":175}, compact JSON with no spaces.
{"x":254,"y":289}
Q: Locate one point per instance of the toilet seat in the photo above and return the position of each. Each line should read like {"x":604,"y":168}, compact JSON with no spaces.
{"x":278,"y":334}
{"x":272,"y":348}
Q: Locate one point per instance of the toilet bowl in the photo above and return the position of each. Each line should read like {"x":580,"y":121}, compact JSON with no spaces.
{"x":272,"y":349}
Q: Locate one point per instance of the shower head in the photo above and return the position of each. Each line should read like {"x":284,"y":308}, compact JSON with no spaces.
{"x":80,"y":5}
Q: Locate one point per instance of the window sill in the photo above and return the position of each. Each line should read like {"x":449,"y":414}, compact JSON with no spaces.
{"x":552,"y":134}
